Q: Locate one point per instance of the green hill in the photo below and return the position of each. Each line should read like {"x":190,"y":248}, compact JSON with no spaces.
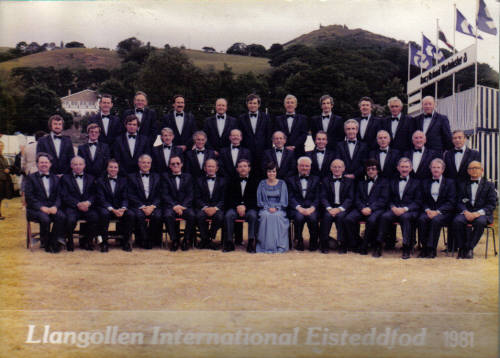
{"x":239,"y":64}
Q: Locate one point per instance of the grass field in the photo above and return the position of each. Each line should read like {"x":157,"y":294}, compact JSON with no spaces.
{"x":429,"y":301}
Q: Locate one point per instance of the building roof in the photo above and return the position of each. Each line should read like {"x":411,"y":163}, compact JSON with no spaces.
{"x":85,"y":95}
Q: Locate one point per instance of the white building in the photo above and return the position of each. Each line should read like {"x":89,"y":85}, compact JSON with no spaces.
{"x":81,"y":103}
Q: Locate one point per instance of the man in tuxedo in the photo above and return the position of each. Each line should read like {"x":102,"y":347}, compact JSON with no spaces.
{"x":146,"y":117}
{"x":182,"y":123}
{"x":79,"y":203}
{"x":371,"y":199}
{"x":177,"y":202}
{"x":283,"y":157}
{"x":404,"y":204}
{"x":337,"y":197}
{"x":241,"y":203}
{"x":352,"y":151}
{"x":59,"y":147}
{"x":293,"y":125}
{"x":129,"y":146}
{"x":112,"y":203}
{"x":457,"y":160}
{"x":161,"y":153}
{"x":219,"y":126}
{"x":328,"y":122}
{"x":257,"y":127}
{"x":386,"y":156}
{"x":438,"y":202}
{"x":321,"y":156}
{"x":303,"y":194}
{"x":210,"y":194}
{"x":435,"y":126}
{"x":144,"y":196}
{"x":369,"y":125}
{"x":230,"y":156}
{"x":195,"y":158}
{"x":43,"y":200}
{"x":111,"y":126}
{"x":398,"y":125}
{"x":94,"y":152}
{"x":421,"y":156}
{"x":477,"y":199}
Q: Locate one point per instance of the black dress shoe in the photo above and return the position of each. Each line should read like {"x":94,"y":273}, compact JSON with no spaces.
{"x":127,"y":247}
{"x":174,"y":246}
{"x":377,"y":252}
{"x":469,"y":254}
{"x":313,"y":245}
{"x":423,"y":253}
{"x":363,"y":251}
{"x":228,"y":247}
{"x":70,"y":245}
{"x":406,"y":253}
{"x":325,"y":250}
{"x":184,"y":245}
{"x":431,"y":254}
{"x":342,"y":249}
{"x":300,"y":245}
{"x":104,"y":247}
{"x":251,"y":246}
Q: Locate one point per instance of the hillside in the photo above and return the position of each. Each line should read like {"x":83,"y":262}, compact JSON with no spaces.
{"x":239,"y":64}
{"x":4,"y":49}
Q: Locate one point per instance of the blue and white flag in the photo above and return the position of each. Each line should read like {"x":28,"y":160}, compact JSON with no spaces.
{"x":484,"y":21}
{"x":431,"y":51}
{"x":464,"y":27}
{"x":417,"y":58}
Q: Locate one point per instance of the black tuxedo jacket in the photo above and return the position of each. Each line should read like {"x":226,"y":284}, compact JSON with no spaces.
{"x":451,"y":170}
{"x":298,"y":135}
{"x":356,"y":164}
{"x":228,"y":169}
{"x":136,"y":193}
{"x":390,"y":164}
{"x":61,"y":165}
{"x":158,"y":157}
{"x":402,"y":140}
{"x":295,"y":196}
{"x":335,"y":131}
{"x":148,"y":126}
{"x":411,"y":195}
{"x":210,"y":128}
{"x":171,"y":196}
{"x":438,"y":133}
{"x":106,"y":198}
{"x":423,"y":171}
{"x":447,"y":196}
{"x":378,"y":197}
{"x":96,"y":167}
{"x":35,"y":195}
{"x":70,"y":194}
{"x":346,"y":192}
{"x":188,"y":129}
{"x":288,"y":165}
{"x":115,"y":128}
{"x":203,"y":194}
{"x":121,"y":152}
{"x":486,"y":197}
{"x":249,"y":198}
{"x":191,"y":164}
{"x":374,"y":125}
{"x":327,"y":160}
{"x":260,"y":140}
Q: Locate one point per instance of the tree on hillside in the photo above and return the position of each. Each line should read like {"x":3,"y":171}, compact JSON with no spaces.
{"x":75,"y":44}
{"x":128,"y":45}
{"x":256,"y":50}
{"x":238,"y":48}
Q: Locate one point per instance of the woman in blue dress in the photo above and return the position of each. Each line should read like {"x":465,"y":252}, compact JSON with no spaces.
{"x":272,"y":199}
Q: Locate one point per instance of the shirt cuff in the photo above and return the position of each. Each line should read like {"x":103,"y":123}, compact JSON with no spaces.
{"x":341,"y":208}
{"x":406,"y":208}
{"x":110,"y":208}
{"x":481,"y":212}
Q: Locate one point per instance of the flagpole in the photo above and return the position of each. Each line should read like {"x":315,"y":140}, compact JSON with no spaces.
{"x":476,"y":114}
{"x":436,"y":57}
{"x":422,"y":47}
{"x":453,"y":109}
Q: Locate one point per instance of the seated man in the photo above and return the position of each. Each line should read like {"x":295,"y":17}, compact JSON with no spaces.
{"x":303,"y":193}
{"x":209,"y":202}
{"x":230,"y":156}
{"x":43,"y":201}
{"x":112,"y":201}
{"x":241,"y":203}
{"x":195,"y":158}
{"x":177,"y":202}
{"x":161,"y":153}
{"x":337,"y":196}
{"x":94,"y":152}
{"x":371,"y":199}
{"x":477,"y":200}
{"x":321,"y":156}
{"x":144,"y":195}
{"x":78,"y":199}
{"x":404,"y":203}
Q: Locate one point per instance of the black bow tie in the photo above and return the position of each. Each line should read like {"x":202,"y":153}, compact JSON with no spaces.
{"x":57,"y":136}
{"x":304,"y":177}
{"x":235,"y":147}
{"x":200,"y":151}
{"x":244,"y":179}
{"x":417,"y":150}
{"x":112,"y":179}
{"x":145,"y":175}
{"x":92,"y":143}
{"x":176,"y":175}
{"x":458,"y":150}
{"x":364,"y":118}
{"x":219,"y":116}
{"x":253,"y":115}
{"x":371,"y":180}
{"x":435,"y":180}
{"x":383,"y":151}
{"x":167,"y":146}
{"x":279,"y":150}
{"x":428,"y":117}
{"x":395,"y":119}
{"x":45,"y":176}
{"x":336,"y":179}
{"x":290,"y":116}
{"x":474,"y":181}
{"x":78,"y":176}
{"x":130,"y":136}
{"x":105,"y":116}
{"x":139,"y":110}
{"x":351,"y":141}
{"x":325,"y":117}
{"x":211,"y":178}
{"x":320,"y":151}
{"x":403,"y":179}
{"x":177,"y":114}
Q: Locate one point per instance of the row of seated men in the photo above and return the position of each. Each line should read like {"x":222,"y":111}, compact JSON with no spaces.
{"x":144,"y":200}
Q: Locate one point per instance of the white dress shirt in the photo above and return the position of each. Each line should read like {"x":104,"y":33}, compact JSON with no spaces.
{"x":253,"y":121}
{"x":131,"y":143}
{"x":179,"y":121}
{"x":57,"y":144}
{"x":362,"y":126}
{"x":459,"y":156}
{"x":105,"y":122}
{"x":221,"y":122}
{"x":289,"y":121}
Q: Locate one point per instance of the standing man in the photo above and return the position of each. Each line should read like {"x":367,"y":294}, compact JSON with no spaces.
{"x":457,"y":160}
{"x":328,"y":122}
{"x":161,"y":153}
{"x":111,"y":126}
{"x":146,"y":117}
{"x":195,"y":158}
{"x":59,"y":147}
{"x":321,"y":156}
{"x":386,"y":156}
{"x":421,"y":156}
{"x":293,"y":125}
{"x":219,"y":126}
{"x":435,"y":126}
{"x":369,"y":125}
{"x":94,"y":152}
{"x":283,"y":157}
{"x":182,"y":123}
{"x":398,"y":125}
{"x":230,"y":156}
{"x":352,"y":152}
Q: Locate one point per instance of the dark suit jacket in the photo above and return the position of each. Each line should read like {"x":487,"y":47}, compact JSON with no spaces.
{"x":121,"y":152}
{"x":148,"y":126}
{"x":374,"y":125}
{"x":486,"y":197}
{"x":191,"y":164}
{"x":295,"y":197}
{"x":447,"y":197}
{"x":346,"y":192}
{"x":438,"y":134}
{"x":378,"y":198}
{"x":298,"y":135}
{"x":356,"y":164}
{"x":35,"y":195}
{"x":188,"y":129}
{"x":136,"y":193}
{"x":96,"y":167}
{"x":423,"y":171}
{"x":70,"y":194}
{"x":249,"y":198}
{"x":106,"y":198}
{"x":171,"y":196}
{"x":335,"y":131}
{"x":411,"y":195}
{"x":228,"y":169}
{"x":210,"y":128}
{"x":203,"y":194}
{"x":158,"y":156}
{"x":390,"y":164}
{"x":115,"y":128}
{"x":61,"y":165}
{"x":451,"y":170}
{"x":288,"y":165}
{"x":327,"y":160}
{"x":259,"y":141}
{"x":402,"y":140}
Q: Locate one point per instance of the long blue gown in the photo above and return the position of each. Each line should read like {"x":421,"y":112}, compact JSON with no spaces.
{"x":273,"y":227}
